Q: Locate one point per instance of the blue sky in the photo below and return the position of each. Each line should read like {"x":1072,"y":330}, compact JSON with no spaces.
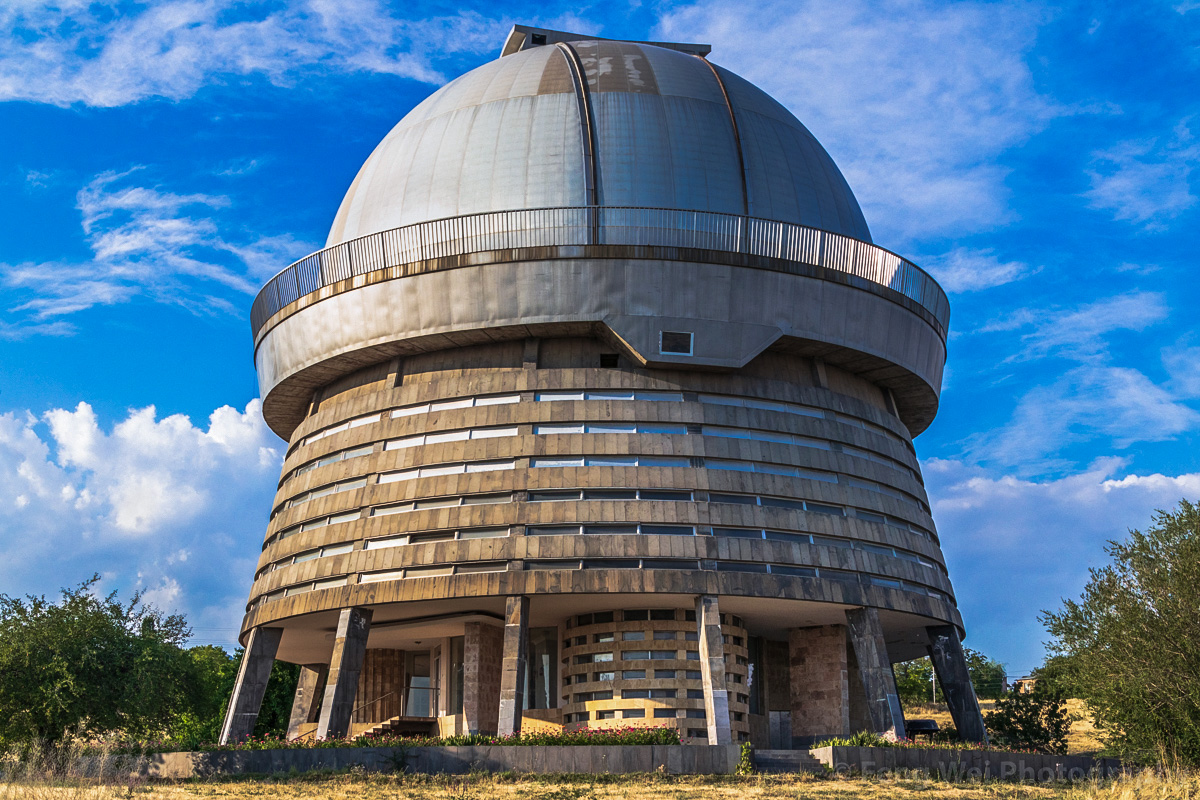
{"x":159,"y":161}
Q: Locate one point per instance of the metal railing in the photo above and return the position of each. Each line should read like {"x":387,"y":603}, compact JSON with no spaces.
{"x":579,"y":226}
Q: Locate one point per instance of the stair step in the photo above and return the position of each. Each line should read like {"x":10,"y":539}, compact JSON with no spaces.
{"x":786,"y":761}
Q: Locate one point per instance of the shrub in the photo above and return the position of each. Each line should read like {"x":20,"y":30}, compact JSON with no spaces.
{"x":1036,"y":720}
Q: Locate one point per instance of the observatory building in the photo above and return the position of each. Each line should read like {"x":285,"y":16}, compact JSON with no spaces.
{"x":600,"y":404}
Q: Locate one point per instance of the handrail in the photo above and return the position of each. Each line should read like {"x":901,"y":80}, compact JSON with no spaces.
{"x":598,"y":225}
{"x":356,"y":709}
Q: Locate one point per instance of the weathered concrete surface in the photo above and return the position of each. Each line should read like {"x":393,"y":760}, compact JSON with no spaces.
{"x":875,"y":670}
{"x":950,"y":664}
{"x":966,"y":764}
{"x":251,"y":685}
{"x":669,"y":759}
{"x":349,"y":650}
{"x":512,"y":669}
{"x":304,"y":704}
{"x":712,"y":670}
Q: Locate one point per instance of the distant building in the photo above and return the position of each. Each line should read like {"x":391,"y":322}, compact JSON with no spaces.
{"x":599,"y":403}
{"x":1025,"y":685}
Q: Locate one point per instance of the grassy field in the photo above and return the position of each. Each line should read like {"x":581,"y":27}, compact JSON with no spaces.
{"x":1082,"y":738}
{"x":631,"y":787}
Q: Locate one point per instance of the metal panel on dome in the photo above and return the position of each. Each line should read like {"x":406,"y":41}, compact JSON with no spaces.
{"x":789,"y":175}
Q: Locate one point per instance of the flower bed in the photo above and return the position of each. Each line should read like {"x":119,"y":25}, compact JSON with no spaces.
{"x":586,"y":737}
{"x":875,"y":740}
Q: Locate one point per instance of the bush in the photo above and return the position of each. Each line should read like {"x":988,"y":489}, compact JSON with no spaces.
{"x":1036,"y":720}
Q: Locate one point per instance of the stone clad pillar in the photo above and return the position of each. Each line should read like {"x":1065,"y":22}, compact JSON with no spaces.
{"x":251,"y":684}
{"x":512,"y":669}
{"x":946,"y":653}
{"x":820,"y":686}
{"x":349,"y":649}
{"x":875,"y":669}
{"x":712,"y":670}
{"x":308,"y":690}
{"x":482,"y":661}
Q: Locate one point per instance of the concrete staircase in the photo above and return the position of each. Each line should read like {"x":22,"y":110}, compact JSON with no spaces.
{"x":786,"y":761}
{"x":404,"y":726}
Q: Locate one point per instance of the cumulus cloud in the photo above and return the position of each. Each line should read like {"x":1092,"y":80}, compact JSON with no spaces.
{"x":1016,"y":547}
{"x":968,"y":270}
{"x":915,"y":100}
{"x":105,"y":55}
{"x":1146,"y":181}
{"x":145,"y":241}
{"x":158,"y":505}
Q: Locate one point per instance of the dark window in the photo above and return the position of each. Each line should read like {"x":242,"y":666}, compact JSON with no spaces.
{"x":602,"y":616}
{"x":635,"y":694}
{"x":693,"y":675}
{"x":610,"y":529}
{"x":797,"y":572}
{"x":637,"y":616}
{"x":611,"y":563}
{"x":676,"y":342}
{"x":610,"y":494}
{"x":633,"y":674}
{"x":568,"y":494}
{"x":820,"y":509}
{"x":740,"y":566}
{"x":695,"y":694}
{"x":664,"y":673}
{"x":662,"y":614}
{"x":609,"y":360}
{"x":667,"y":530}
{"x":664,"y":713}
{"x":537,"y":39}
{"x":663,"y":494}
{"x":633,"y":713}
{"x":740,"y":499}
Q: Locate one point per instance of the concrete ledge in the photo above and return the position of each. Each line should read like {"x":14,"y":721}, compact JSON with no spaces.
{"x":957,"y":765}
{"x":668,"y":759}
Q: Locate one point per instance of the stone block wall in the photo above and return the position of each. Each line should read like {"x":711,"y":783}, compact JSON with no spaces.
{"x":820,"y":692}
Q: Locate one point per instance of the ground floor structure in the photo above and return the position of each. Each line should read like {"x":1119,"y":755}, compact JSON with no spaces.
{"x":716,"y":676}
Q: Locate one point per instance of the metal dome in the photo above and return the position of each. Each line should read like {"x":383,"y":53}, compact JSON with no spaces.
{"x":667,"y":129}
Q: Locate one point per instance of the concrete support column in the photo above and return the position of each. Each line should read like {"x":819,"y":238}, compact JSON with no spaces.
{"x":349,"y":649}
{"x":308,"y":691}
{"x":875,"y":669}
{"x":712,"y":670}
{"x":820,"y":687}
{"x":946,"y":653}
{"x":251,"y":684}
{"x":512,"y":668}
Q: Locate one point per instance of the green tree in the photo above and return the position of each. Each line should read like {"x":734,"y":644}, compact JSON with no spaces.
{"x":213,"y":673}
{"x":1131,"y":644}
{"x":913,"y":678}
{"x":88,"y":664}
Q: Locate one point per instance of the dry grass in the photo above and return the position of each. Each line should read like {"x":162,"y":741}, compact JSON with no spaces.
{"x":486,"y":787}
{"x":361,"y":786}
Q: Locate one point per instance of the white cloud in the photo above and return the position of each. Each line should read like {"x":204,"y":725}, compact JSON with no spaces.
{"x":145,"y":241}
{"x":1145,"y":181}
{"x":1183,"y":365}
{"x":1016,"y":547}
{"x":916,"y":101}
{"x":161,"y":505}
{"x":104,"y":55}
{"x":1080,"y":332}
{"x":967,"y":270}
{"x":1119,"y":403}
